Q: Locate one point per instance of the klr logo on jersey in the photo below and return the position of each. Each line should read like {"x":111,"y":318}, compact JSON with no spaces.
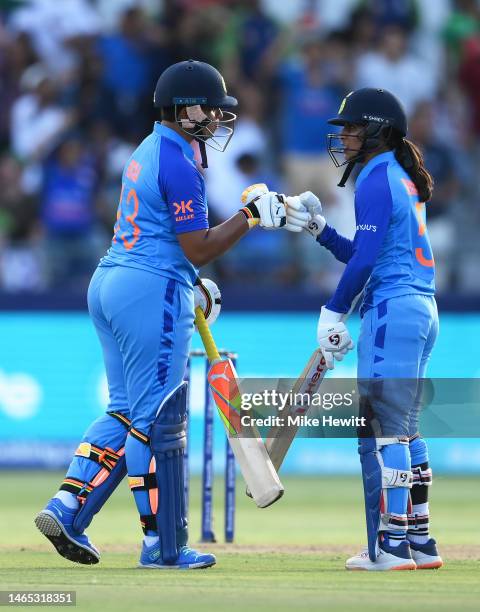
{"x":366,"y":228}
{"x":184,"y":208}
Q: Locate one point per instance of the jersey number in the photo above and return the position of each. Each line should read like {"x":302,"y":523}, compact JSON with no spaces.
{"x":131,"y":204}
{"x":420,"y":213}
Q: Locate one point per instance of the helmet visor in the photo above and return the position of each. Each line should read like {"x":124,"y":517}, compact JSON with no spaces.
{"x":216,"y":133}
{"x":339,"y":152}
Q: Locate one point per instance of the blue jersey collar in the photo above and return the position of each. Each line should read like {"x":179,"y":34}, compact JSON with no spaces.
{"x":163,"y":130}
{"x":375,"y":161}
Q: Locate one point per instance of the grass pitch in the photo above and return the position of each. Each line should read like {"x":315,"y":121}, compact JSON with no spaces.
{"x":287,"y":557}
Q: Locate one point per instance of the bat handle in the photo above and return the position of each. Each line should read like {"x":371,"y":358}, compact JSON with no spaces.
{"x":206,"y":335}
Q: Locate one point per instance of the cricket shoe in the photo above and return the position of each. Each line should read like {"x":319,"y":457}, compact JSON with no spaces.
{"x":188,"y":558}
{"x":426,"y":555}
{"x":55,"y":521}
{"x":388,"y":558}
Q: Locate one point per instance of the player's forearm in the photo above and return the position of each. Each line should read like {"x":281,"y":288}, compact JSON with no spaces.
{"x":339,"y":246}
{"x":217,"y":240}
{"x":354,"y":279}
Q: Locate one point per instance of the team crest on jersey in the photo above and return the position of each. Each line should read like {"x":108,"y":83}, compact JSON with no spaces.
{"x":183,"y":211}
{"x":133,"y":170}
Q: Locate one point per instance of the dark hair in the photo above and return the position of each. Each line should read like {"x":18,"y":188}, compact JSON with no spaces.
{"x":411,"y":159}
{"x":167,"y":113}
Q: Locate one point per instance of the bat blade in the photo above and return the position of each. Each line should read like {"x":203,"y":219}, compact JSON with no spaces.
{"x":280,"y":438}
{"x":223,"y":384}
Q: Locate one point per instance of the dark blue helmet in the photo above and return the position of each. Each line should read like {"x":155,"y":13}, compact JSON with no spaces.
{"x":196,"y":87}
{"x":383,"y":117}
{"x":191,"y":82}
{"x":370,"y":105}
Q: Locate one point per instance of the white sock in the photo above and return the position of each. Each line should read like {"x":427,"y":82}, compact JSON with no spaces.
{"x":68,"y":499}
{"x":150,"y":540}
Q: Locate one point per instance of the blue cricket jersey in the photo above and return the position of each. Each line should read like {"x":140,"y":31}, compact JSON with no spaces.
{"x":163,"y":194}
{"x":390,"y":252}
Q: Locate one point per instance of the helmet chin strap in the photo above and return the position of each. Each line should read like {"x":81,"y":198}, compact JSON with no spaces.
{"x":346,"y":174}
{"x":195,"y":117}
{"x":370,"y":143}
{"x":203,"y":153}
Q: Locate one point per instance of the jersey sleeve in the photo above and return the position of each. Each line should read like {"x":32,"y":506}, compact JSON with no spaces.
{"x":339,"y":246}
{"x":183,"y":188}
{"x":373,"y":205}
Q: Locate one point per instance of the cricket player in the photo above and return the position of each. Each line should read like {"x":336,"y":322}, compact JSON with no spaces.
{"x":141,"y":300}
{"x":391,"y":261}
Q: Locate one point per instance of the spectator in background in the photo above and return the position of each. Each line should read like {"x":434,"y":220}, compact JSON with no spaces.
{"x":469,"y":78}
{"x":38,"y":119}
{"x":127,"y":73}
{"x":394,"y":68}
{"x":440,"y":163}
{"x":68,"y":214}
{"x":57,"y":28}
{"x":21,"y":258}
{"x":252,"y":33}
{"x":464,"y":22}
{"x":16,"y":55}
{"x":310,"y":95}
{"x":361,"y":32}
{"x":403,"y":13}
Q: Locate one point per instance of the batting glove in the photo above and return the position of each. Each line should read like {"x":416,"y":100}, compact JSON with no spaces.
{"x":263,"y":207}
{"x":297,"y":215}
{"x":333,"y":337}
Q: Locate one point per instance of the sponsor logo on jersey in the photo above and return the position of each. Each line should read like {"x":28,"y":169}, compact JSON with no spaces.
{"x":183,"y":211}
{"x":133,"y":170}
{"x":366,"y":228}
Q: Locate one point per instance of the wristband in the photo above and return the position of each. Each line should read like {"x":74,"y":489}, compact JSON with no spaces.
{"x":251,"y":214}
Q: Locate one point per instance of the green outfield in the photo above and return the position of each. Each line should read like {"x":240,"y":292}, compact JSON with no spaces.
{"x":287,"y":557}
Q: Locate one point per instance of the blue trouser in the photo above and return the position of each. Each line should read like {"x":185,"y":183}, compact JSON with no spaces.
{"x":396,"y":341}
{"x":144,"y":322}
{"x":395,"y":344}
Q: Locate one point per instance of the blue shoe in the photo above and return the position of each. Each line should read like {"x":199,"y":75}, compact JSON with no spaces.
{"x":55,"y":522}
{"x":426,"y":555}
{"x":187,"y":559}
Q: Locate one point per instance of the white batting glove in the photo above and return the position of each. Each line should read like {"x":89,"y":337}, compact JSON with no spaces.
{"x":316,"y":226}
{"x":263,"y":207}
{"x":333,"y":337}
{"x":311,"y":203}
{"x":317,"y":223}
{"x":206,"y":294}
{"x":297,"y":215}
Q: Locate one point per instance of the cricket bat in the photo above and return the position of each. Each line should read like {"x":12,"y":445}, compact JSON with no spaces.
{"x":252,"y":457}
{"x":279,"y":437}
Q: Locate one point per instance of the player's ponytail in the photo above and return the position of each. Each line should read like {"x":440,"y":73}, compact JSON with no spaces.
{"x":410,"y":158}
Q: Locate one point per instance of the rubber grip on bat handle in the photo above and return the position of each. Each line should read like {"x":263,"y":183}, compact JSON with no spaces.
{"x":206,"y":335}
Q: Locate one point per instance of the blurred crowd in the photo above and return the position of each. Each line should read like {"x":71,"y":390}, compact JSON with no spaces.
{"x":76,"y":87}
